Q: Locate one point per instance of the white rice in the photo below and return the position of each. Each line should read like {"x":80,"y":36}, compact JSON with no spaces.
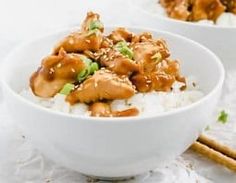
{"x":225,"y":20}
{"x":148,"y":103}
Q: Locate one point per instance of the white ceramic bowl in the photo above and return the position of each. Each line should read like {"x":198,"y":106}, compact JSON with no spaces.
{"x":221,"y":40}
{"x":113,"y":147}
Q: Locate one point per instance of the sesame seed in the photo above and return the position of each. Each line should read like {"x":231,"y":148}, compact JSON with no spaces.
{"x":87,"y":41}
{"x":112,"y":65}
{"x":71,"y":41}
{"x":59,"y":65}
{"x":51,"y":69}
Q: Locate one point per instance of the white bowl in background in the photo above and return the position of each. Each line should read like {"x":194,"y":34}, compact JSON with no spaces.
{"x":221,"y":40}
{"x":113,"y":147}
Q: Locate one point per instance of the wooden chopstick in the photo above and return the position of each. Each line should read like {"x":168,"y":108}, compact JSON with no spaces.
{"x":215,"y":151}
{"x":226,"y":150}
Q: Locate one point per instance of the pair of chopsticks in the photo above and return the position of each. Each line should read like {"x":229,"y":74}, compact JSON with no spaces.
{"x":215,"y":151}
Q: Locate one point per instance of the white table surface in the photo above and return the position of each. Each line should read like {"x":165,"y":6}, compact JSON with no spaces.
{"x":21,"y":162}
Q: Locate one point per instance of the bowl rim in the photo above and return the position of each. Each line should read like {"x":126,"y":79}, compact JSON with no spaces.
{"x":171,"y":20}
{"x":218,"y":85}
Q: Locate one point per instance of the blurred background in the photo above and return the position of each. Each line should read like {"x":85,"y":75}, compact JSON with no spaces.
{"x":29,"y":18}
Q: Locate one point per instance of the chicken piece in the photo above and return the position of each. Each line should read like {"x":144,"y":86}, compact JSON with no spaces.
{"x":230,"y":5}
{"x":206,"y":9}
{"x":91,"y":20}
{"x":145,"y":36}
{"x":177,"y":9}
{"x":112,"y":59}
{"x":194,"y":10}
{"x":79,"y":42}
{"x":172,"y":67}
{"x":107,"y":43}
{"x":118,"y":63}
{"x":104,"y":84}
{"x":100,"y":109}
{"x":167,"y":3}
{"x":149,"y":53}
{"x":180,"y":12}
{"x":55,"y":72}
{"x":160,"y":80}
{"x":169,"y":66}
{"x":89,"y":38}
{"x":153,"y":81}
{"x":120,"y":34}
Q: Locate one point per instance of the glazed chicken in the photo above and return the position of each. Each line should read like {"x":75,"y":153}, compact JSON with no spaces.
{"x":88,"y":38}
{"x":96,"y":69}
{"x":161,"y":79}
{"x":157,"y":72}
{"x":177,"y":9}
{"x":104,"y":84}
{"x":120,"y":34}
{"x":209,"y":10}
{"x":230,"y":5}
{"x":195,"y":10}
{"x":115,"y":61}
{"x":148,"y":53}
{"x":55,"y":72}
{"x":101,"y":109}
{"x":88,"y":23}
{"x":145,"y":36}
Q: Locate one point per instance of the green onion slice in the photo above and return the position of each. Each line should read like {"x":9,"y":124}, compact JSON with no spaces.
{"x":223,"y":117}
{"x":67,"y":88}
{"x":86,"y":60}
{"x":95,"y":25}
{"x":93,"y":32}
{"x":121,"y":44}
{"x":83,"y":74}
{"x":123,"y":48}
{"x":93,"y":67}
{"x":89,"y":69}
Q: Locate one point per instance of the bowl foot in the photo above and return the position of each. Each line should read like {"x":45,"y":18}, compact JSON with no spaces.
{"x":96,"y":179}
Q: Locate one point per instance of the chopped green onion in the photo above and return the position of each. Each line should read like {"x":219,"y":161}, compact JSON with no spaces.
{"x":93,"y":67}
{"x":95,"y":25}
{"x":123,"y":48}
{"x":223,"y":117}
{"x":67,"y":88}
{"x":121,"y":44}
{"x":83,"y":74}
{"x":126,"y":52}
{"x":92,"y":32}
{"x":90,"y":68}
{"x":86,"y":60}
